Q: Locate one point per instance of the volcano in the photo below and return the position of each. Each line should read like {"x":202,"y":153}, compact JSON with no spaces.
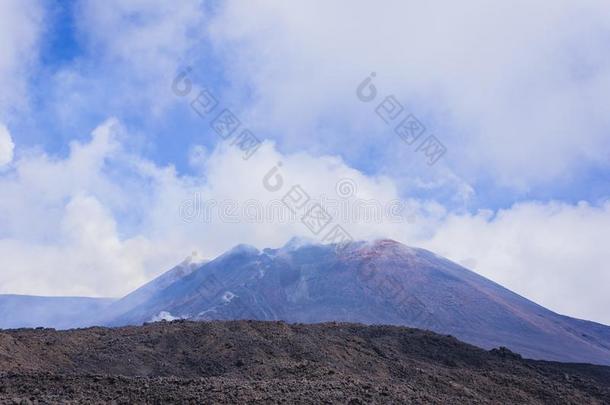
{"x":379,"y":282}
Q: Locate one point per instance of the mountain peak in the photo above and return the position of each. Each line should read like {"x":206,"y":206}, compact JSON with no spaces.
{"x":244,"y":248}
{"x":297,"y":242}
{"x":194,"y":258}
{"x":381,"y":247}
{"x":372,"y":282}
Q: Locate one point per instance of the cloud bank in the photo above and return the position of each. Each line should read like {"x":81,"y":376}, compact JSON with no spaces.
{"x":103,"y":220}
{"x":517,"y":90}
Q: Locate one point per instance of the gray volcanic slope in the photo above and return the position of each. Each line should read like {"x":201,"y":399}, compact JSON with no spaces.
{"x":382,"y":282}
{"x":148,"y":290}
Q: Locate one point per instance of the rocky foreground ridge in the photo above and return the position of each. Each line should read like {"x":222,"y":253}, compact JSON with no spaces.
{"x":276,"y":362}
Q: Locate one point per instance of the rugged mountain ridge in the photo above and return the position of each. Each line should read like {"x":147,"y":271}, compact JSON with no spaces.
{"x":379,"y":282}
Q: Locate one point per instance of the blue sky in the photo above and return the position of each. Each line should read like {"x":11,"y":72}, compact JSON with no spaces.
{"x":95,"y":146}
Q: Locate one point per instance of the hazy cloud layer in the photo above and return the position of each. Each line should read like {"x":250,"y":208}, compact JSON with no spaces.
{"x":518,"y":90}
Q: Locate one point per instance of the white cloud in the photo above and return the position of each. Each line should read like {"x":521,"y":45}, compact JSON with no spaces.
{"x":136,"y":48}
{"x":148,"y":35}
{"x":20,"y":26}
{"x":58,"y":229}
{"x":6,"y":146}
{"x":197,"y":157}
{"x":517,"y":90}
